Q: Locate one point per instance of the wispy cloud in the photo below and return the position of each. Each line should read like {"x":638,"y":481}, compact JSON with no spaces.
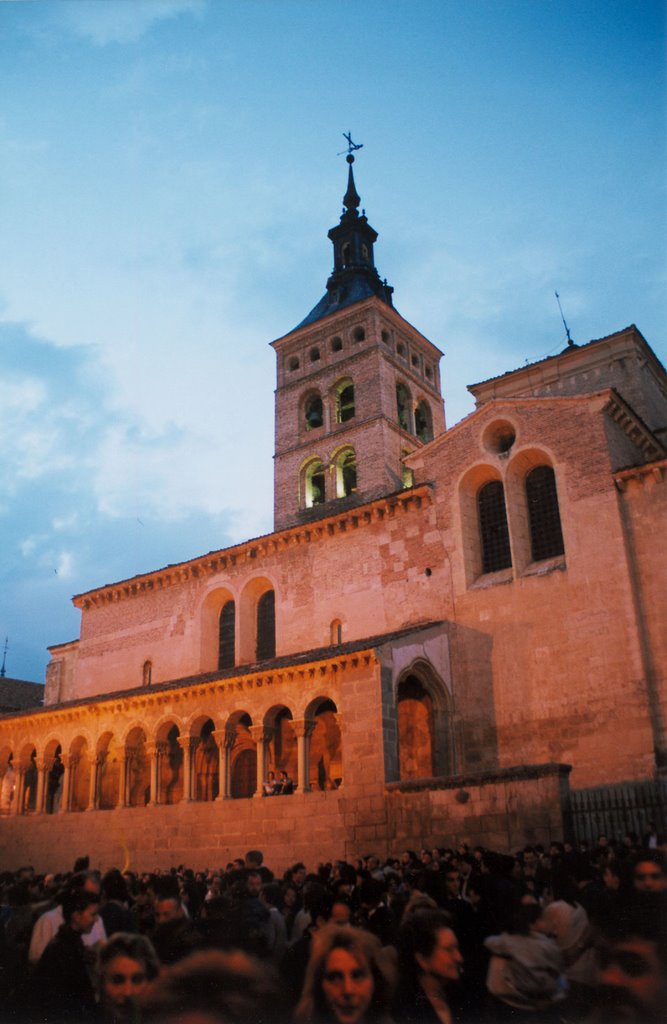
{"x":121,"y":21}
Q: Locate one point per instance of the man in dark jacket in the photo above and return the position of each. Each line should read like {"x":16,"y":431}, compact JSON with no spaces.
{"x":62,"y":985}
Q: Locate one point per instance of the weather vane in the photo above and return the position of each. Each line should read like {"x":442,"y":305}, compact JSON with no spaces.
{"x":351,"y":146}
{"x":3,"y":670}
{"x":567,"y":329}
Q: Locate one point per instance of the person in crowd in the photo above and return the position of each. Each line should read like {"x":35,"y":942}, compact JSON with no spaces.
{"x":429,"y":963}
{"x":47,"y":925}
{"x":125,"y":965}
{"x":115,"y":910}
{"x":349,"y":980}
{"x":62,"y":987}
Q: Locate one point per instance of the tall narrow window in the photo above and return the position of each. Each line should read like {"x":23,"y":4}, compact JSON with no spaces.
{"x":345,"y":408}
{"x":546,"y":536}
{"x":314,"y":413}
{"x":226,"y":636}
{"x":403,"y":406}
{"x":315,"y":484}
{"x":147,"y":673}
{"x":493,"y":530}
{"x":266,"y":626}
{"x":423,"y":424}
{"x":346,"y":474}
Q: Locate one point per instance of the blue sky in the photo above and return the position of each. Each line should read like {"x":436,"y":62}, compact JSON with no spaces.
{"x":169,"y":173}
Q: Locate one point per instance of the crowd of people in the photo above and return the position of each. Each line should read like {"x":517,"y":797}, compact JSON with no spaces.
{"x":562,"y":935}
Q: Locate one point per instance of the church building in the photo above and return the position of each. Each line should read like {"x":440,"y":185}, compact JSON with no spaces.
{"x":450,"y":635}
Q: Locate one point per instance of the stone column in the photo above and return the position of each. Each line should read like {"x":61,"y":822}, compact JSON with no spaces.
{"x":303,"y":728}
{"x":42,"y":771}
{"x":261,"y":734}
{"x":96,"y":763}
{"x":226,"y":761}
{"x":19,"y":791}
{"x":188,"y":745}
{"x":67,"y":761}
{"x":154,"y":751}
{"x":338,"y":719}
{"x":124,"y":794}
{"x":219,"y":737}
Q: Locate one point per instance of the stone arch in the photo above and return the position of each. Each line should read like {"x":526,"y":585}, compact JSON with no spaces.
{"x":313,"y":477}
{"x":423,"y":421}
{"x":325,"y":749}
{"x":170,"y":761}
{"x":344,"y":400}
{"x":55,"y":771}
{"x":209,"y":617}
{"x":252,"y":602}
{"x":404,"y":407}
{"x":138,"y":784}
{"x":469,"y":487}
{"x":205,"y":760}
{"x":79,"y":778}
{"x":533,"y":507}
{"x":311,"y":407}
{"x":282,"y":746}
{"x":424,"y":719}
{"x":243,"y":767}
{"x":7,"y":780}
{"x":110,"y":757}
{"x":344,"y":462}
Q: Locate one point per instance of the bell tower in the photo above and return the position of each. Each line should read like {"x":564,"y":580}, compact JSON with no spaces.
{"x":358,"y":387}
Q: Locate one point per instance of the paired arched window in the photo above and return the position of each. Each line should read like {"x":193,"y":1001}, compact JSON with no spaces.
{"x":546,"y":535}
{"x":493,"y":530}
{"x":345,"y":405}
{"x":423,"y":422}
{"x":227,"y":636}
{"x":315,"y":484}
{"x":313,"y":412}
{"x":266,"y":626}
{"x":346,"y":473}
{"x":403,"y":406}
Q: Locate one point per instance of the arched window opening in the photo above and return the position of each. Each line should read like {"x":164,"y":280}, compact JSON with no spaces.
{"x":294,"y":363}
{"x":315,"y":484}
{"x":400,"y":350}
{"x":546,"y":535}
{"x":403,"y":406}
{"x":359,"y":334}
{"x":336,"y":632}
{"x":30,"y":784}
{"x":345,"y":253}
{"x":227,"y":636}
{"x":325,"y":762}
{"x":364,"y":252}
{"x":147,"y":673}
{"x":423,"y":422}
{"x":336,"y":344}
{"x":345,"y":407}
{"x":54,"y":782}
{"x":79,"y":775}
{"x":138,"y":769}
{"x":171,"y":768}
{"x":284,"y":746}
{"x":243,"y":782}
{"x":206,"y":770}
{"x":8,"y":787}
{"x":346,"y":474}
{"x":314,"y":412}
{"x":415,"y":730}
{"x":314,"y":355}
{"x":266,"y":626}
{"x":494,"y":534}
{"x":109,"y":760}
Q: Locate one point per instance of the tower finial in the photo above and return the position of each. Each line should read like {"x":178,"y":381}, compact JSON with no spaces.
{"x":3,"y":670}
{"x":351,"y":198}
{"x":570,"y":343}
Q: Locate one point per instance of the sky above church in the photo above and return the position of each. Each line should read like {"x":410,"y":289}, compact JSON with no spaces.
{"x":170,"y":170}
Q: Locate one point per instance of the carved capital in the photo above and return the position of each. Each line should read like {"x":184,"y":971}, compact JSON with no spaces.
{"x":303,"y":727}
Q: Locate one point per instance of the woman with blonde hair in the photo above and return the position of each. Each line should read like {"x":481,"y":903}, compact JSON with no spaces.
{"x":350,"y":979}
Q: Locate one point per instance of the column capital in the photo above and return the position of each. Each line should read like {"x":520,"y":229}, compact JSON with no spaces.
{"x":303,"y":727}
{"x":261,"y":733}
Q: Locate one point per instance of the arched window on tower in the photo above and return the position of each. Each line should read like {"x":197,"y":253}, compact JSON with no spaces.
{"x":345,"y":253}
{"x":423,"y":422}
{"x":315,"y":484}
{"x":494,"y":534}
{"x":227,"y":636}
{"x":345,"y":407}
{"x":266,"y":626}
{"x":546,"y":535}
{"x":313,"y":412}
{"x":403,"y":406}
{"x":415,"y":730}
{"x":346,"y":473}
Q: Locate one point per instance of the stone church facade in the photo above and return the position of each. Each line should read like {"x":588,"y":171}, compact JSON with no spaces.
{"x":450,"y":635}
